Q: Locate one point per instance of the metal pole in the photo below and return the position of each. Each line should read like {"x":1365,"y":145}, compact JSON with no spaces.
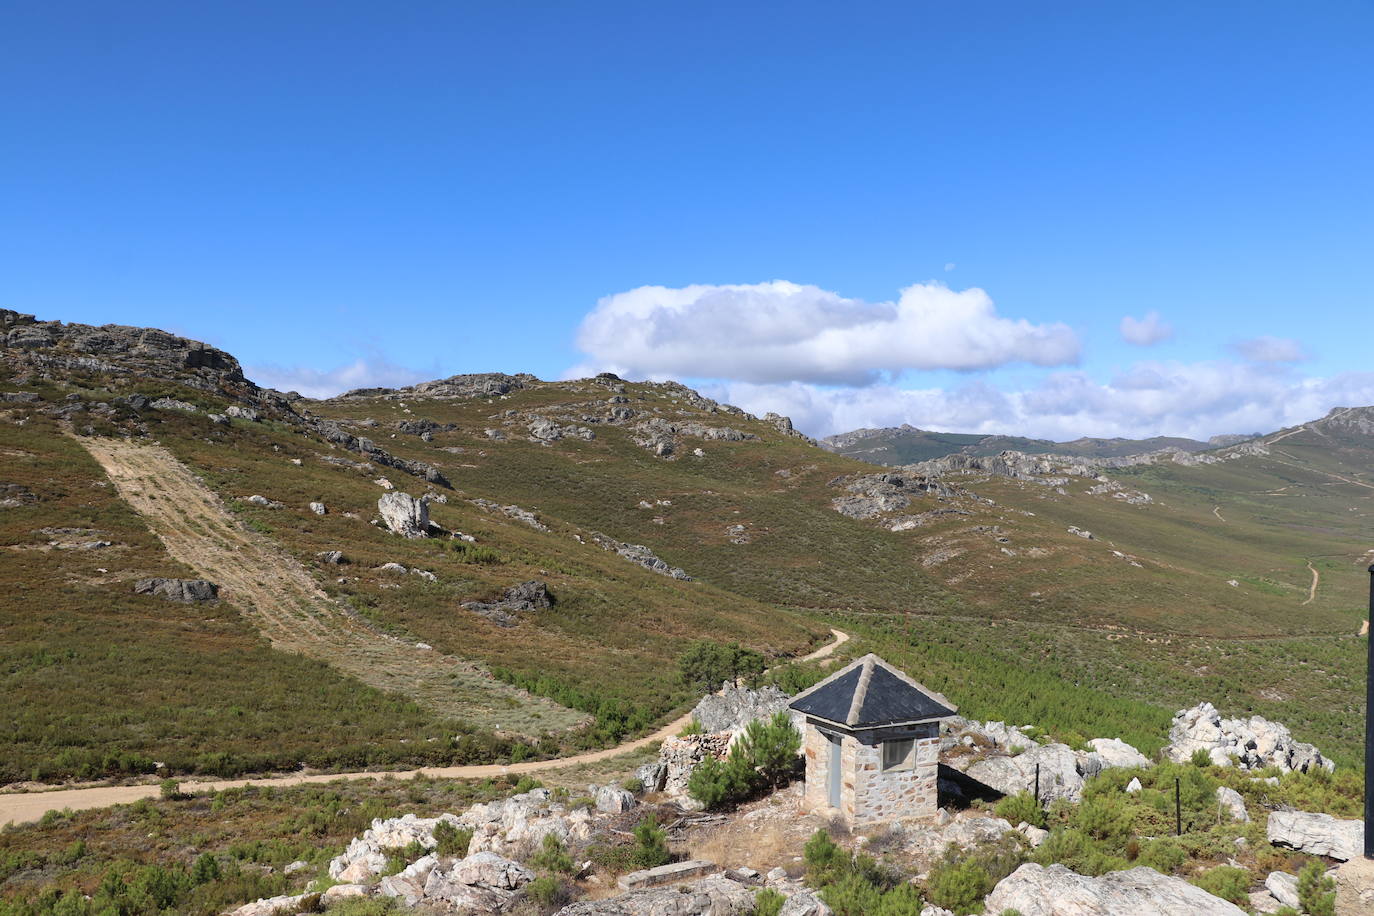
{"x":1037,"y":791}
{"x":1178,"y":811}
{"x":1369,"y":729}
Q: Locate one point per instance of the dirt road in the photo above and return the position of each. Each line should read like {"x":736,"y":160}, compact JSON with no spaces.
{"x":26,"y":807}
{"x":284,"y":602}
{"x":1316,"y":580}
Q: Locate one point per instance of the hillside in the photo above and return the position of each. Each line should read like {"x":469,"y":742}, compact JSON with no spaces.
{"x":899,"y":445}
{"x":653,"y":517}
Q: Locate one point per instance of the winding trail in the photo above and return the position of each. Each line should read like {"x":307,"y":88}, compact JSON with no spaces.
{"x":26,"y":807}
{"x":1312,"y":590}
{"x":1216,"y":510}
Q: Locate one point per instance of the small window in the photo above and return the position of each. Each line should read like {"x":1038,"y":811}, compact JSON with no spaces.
{"x":899,"y":755}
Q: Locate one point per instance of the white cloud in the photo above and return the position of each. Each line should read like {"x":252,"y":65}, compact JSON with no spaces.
{"x":780,"y":332}
{"x":1144,"y":332}
{"x":949,"y":266}
{"x":1270,"y":350}
{"x":318,"y":383}
{"x":1198,"y":400}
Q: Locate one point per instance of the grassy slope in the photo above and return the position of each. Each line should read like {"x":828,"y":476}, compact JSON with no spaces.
{"x":1063,"y":632}
{"x":99,"y":680}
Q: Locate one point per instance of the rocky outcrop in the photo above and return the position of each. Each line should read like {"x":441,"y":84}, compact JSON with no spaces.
{"x":1034,"y":890}
{"x":403,"y":514}
{"x":178,"y":589}
{"x":148,"y":352}
{"x":1252,"y":744}
{"x":1233,"y":804}
{"x":471,"y":385}
{"x":731,"y":708}
{"x":1283,"y":887}
{"x":1117,"y":753}
{"x":524,"y":516}
{"x":717,"y":895}
{"x":1316,"y":834}
{"x":1063,"y":770}
{"x":336,"y":434}
{"x":545,"y":430}
{"x":679,"y":756}
{"x":660,"y":436}
{"x":872,"y":495}
{"x":638,"y":553}
{"x":526,"y":597}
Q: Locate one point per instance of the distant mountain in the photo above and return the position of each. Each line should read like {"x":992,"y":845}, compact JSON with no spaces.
{"x":900,"y":445}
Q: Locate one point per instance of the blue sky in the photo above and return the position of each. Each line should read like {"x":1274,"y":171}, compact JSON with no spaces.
{"x":350,"y":193}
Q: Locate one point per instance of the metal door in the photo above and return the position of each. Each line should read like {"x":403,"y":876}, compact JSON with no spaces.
{"x":833,"y":771}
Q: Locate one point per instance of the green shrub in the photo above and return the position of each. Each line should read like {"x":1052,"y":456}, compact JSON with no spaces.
{"x":720,"y":783}
{"x":170,"y":789}
{"x":764,"y":757}
{"x":1021,"y":807}
{"x":450,"y":840}
{"x":823,"y":857}
{"x":959,"y":885}
{"x":633,"y":786}
{"x":768,"y":902}
{"x":205,"y":869}
{"x":769,"y":749}
{"x":1316,"y":892}
{"x":553,"y":857}
{"x":1163,"y":855}
{"x":651,"y":844}
{"x":1073,"y":848}
{"x":548,"y":891}
{"x":1227,"y":882}
{"x":1200,"y":759}
{"x":526,"y":784}
{"x":705,"y":665}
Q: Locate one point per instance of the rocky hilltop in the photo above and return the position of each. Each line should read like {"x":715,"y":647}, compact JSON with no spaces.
{"x":906,"y":444}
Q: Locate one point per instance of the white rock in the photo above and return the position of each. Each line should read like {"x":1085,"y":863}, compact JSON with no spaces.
{"x":613,"y":799}
{"x":1034,"y":890}
{"x":487,"y":869}
{"x":1231,"y":801}
{"x":1317,"y":834}
{"x":1253,"y":743}
{"x":339,"y":892}
{"x":1134,"y":785}
{"x":269,"y":906}
{"x":409,"y":884}
{"x":1117,"y":753}
{"x":1283,"y":887}
{"x":403,"y":514}
{"x":317,"y":508}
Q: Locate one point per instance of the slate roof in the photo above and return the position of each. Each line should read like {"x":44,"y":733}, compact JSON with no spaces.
{"x":869,"y":693}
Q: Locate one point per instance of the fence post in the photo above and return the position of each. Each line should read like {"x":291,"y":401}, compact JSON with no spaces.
{"x":1178,"y":811}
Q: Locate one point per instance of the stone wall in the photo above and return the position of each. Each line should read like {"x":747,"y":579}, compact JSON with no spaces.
{"x":867,"y":794}
{"x":881,"y":797}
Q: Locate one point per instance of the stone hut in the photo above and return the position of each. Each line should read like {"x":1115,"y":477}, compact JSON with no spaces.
{"x":872,"y":744}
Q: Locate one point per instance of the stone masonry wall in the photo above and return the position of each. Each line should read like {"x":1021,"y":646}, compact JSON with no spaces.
{"x":816,"y":749}
{"x":867,"y":794}
{"x":883,"y":797}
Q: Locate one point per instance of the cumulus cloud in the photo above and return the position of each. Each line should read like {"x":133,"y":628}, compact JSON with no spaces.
{"x":768,"y":333}
{"x":325,"y":383}
{"x":1270,"y":350}
{"x":1144,"y":332}
{"x":1198,"y":400}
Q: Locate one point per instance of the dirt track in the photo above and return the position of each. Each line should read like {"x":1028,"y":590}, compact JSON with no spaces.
{"x":279,"y":596}
{"x":22,"y":808}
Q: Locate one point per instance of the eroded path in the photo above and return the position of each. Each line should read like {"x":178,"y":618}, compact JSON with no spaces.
{"x":23,"y":808}
{"x":284,"y":602}
{"x":1316,"y":580}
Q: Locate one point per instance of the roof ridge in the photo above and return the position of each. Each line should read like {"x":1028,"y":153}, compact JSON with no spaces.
{"x":856,"y":703}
